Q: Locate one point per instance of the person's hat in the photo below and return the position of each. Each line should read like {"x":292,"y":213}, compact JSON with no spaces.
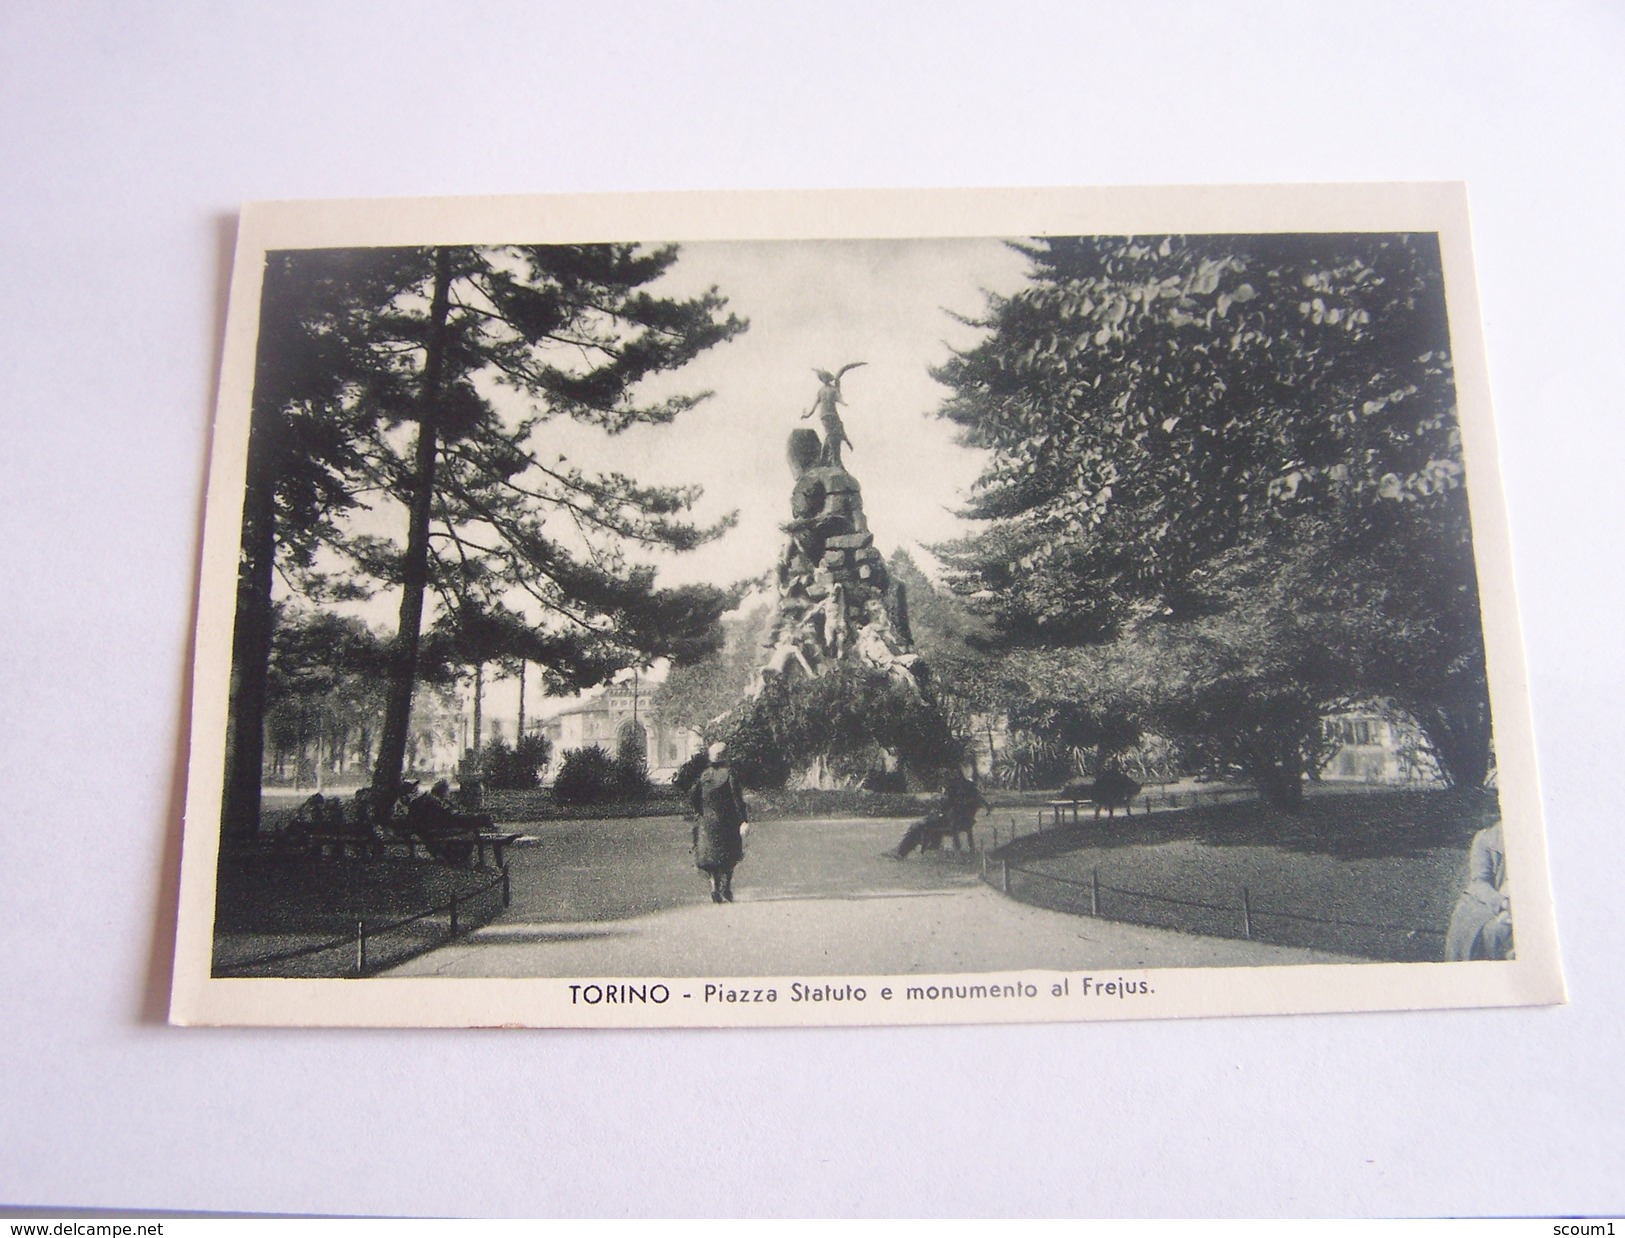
{"x":717,"y":751}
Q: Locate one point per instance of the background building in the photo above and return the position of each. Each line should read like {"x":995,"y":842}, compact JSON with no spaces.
{"x":602,"y":719}
{"x":1376,"y":746}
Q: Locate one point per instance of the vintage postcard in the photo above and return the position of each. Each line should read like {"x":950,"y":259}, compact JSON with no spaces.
{"x":858,"y":608}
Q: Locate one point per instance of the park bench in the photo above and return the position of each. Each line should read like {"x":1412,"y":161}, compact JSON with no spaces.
{"x":328,"y":828}
{"x":341,"y":844}
{"x":496,"y":840}
{"x":1110,"y":791}
{"x":1059,"y":807}
{"x":324,"y":843}
{"x":478,"y":840}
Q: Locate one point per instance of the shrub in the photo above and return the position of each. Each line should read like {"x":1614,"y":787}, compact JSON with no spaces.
{"x":844,"y":718}
{"x":514,"y":769}
{"x":893,"y":781}
{"x":586,"y":776}
{"x":630,"y":776}
{"x":688,"y":773}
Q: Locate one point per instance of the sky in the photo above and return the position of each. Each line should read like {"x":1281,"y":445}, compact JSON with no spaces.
{"x":815,"y":304}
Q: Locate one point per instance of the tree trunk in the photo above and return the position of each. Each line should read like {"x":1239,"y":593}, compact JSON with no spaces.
{"x":415,"y":564}
{"x":479,"y":702}
{"x":1274,"y":763}
{"x":521,"y":734}
{"x":1460,"y":736}
{"x":251,"y":636}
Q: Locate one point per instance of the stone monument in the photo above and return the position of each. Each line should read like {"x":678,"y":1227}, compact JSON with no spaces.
{"x":835,"y":602}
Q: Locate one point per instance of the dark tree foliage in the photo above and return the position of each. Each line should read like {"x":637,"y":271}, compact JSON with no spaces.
{"x":322,"y":687}
{"x":586,"y":776}
{"x":847,"y":718}
{"x":631,"y":772}
{"x":697,"y":694}
{"x":1248,"y":679}
{"x":319,"y":392}
{"x":1174,"y":420}
{"x":326,"y":693}
{"x":568,"y":331}
{"x":951,"y":637}
{"x":426,"y":377}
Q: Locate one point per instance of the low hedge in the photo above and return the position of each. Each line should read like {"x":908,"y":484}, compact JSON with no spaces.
{"x":513,"y":806}
{"x":847,"y":802}
{"x":539,"y":805}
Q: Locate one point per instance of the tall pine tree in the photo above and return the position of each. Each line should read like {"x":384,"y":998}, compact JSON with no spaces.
{"x":320,"y":391}
{"x":436,"y":371}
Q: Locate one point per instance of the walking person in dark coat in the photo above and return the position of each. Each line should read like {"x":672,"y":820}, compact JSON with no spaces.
{"x":719,"y":802}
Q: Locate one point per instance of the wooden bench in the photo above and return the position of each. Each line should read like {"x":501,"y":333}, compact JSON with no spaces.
{"x":1076,"y":807}
{"x":479,"y":840}
{"x":368,"y":846}
{"x":1057,"y":807}
{"x":494,"y":839}
{"x":333,"y":842}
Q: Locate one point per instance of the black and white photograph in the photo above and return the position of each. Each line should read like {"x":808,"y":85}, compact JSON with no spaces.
{"x":865,"y":629}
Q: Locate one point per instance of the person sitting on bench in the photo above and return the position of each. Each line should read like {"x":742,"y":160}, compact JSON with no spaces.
{"x":430,"y":819}
{"x":954,"y":815}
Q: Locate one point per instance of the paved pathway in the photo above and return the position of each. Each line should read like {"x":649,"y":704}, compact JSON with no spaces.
{"x":622,"y":898}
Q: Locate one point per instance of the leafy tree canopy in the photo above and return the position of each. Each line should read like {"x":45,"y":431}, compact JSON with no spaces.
{"x":320,"y":388}
{"x":1229,"y":469}
{"x":1152,"y":402}
{"x":565,"y":331}
{"x":695,"y":694}
{"x":423,"y":378}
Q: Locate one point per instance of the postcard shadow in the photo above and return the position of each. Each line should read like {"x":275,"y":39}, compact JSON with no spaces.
{"x":160,"y":976}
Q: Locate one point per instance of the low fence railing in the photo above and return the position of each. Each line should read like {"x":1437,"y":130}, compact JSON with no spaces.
{"x":356,"y":942}
{"x":1243,"y":919}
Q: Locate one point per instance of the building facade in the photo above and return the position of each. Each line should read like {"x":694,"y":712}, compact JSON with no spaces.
{"x":1376,"y":747}
{"x":602,"y":720}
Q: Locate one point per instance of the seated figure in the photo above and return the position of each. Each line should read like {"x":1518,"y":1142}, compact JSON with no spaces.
{"x":430,"y":819}
{"x":877,"y":653}
{"x":310,"y":815}
{"x":786,"y":654}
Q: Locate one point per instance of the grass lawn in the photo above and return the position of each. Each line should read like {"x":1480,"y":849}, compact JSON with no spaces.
{"x":267,"y":904}
{"x":1367,"y":873}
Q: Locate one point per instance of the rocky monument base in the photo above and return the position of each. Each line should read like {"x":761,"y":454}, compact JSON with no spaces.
{"x":835,"y":602}
{"x":840,"y":693}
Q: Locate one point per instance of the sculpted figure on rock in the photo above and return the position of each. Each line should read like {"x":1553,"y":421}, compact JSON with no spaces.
{"x":835,"y":600}
{"x":827,"y":406}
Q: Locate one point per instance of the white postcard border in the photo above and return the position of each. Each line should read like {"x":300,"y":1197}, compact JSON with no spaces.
{"x":1533,"y":978}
